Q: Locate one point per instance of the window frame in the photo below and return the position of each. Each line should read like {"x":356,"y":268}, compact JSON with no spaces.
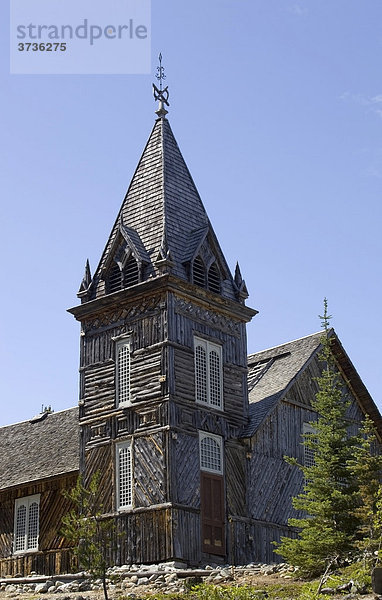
{"x":209,"y":348}
{"x":118,"y":447}
{"x":308,"y":429}
{"x":120,"y":343}
{"x":219,"y":440}
{"x":26,"y":501}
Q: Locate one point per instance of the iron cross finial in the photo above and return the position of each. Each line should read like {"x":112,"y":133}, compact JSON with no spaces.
{"x":160,"y":72}
{"x":161,"y":94}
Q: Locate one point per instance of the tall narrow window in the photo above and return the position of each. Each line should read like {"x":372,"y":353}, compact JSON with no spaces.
{"x":214,"y":279}
{"x":208,"y":373}
{"x":114,"y":279}
{"x":130,"y":272}
{"x":26,"y":529}
{"x":308,"y":430}
{"x":123,"y":364}
{"x":199,"y":272}
{"x":200,"y":372}
{"x":124,"y":476}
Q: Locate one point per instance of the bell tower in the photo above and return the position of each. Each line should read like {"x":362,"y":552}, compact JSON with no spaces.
{"x":163,"y":367}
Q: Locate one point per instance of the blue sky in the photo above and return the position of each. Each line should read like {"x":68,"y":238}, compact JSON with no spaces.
{"x":277,"y":108}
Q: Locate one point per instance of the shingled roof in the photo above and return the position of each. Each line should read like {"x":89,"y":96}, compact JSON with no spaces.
{"x":43,"y":447}
{"x":271,"y":372}
{"x":164,"y":210}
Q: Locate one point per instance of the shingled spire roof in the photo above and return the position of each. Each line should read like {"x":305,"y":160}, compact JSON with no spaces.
{"x":162,"y":208}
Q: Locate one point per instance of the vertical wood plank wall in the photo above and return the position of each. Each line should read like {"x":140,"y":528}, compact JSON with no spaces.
{"x":54,"y":554}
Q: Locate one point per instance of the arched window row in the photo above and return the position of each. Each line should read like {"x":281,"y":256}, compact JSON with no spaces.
{"x":119,"y":279}
{"x":207,"y":279}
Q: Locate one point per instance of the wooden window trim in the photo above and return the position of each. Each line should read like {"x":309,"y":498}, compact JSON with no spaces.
{"x":26,"y":501}
{"x":209,"y":391}
{"x":123,"y":371}
{"x":121,"y":446}
{"x":307,"y":428}
{"x":219,"y":441}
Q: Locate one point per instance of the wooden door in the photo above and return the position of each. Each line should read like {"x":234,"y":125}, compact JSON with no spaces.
{"x":212,"y":513}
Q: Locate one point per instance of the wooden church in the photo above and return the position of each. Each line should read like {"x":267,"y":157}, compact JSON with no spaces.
{"x":187,"y":431}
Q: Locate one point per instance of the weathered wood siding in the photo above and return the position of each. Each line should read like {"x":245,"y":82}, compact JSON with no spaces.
{"x":185,"y":471}
{"x":149,"y":467}
{"x":187,"y":320}
{"x":144,"y":536}
{"x":186,"y":536}
{"x":100,"y":460}
{"x":97,"y":364}
{"x":163,"y":420}
{"x":236,"y":481}
{"x":53,"y":553}
{"x":272,"y":482}
{"x":51,"y":562}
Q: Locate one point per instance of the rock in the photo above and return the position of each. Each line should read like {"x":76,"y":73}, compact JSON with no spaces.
{"x":189,"y":582}
{"x":142,"y":581}
{"x":134,"y":578}
{"x":84,"y":586}
{"x":9,"y":588}
{"x":41,"y":588}
{"x":127,"y":585}
{"x":225,"y":573}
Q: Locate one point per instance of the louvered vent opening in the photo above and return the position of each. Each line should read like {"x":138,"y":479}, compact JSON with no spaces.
{"x":199,"y":272}
{"x":130,"y":272}
{"x":214,"y":279}
{"x":114,"y":282}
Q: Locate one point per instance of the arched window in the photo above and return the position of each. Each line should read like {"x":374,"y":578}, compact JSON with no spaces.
{"x":210,"y":447}
{"x":118,"y":279}
{"x":208,"y":373}
{"x":214,"y":279}
{"x":26,"y":529}
{"x":199,"y":272}
{"x":130,"y":272}
{"x":114,"y":280}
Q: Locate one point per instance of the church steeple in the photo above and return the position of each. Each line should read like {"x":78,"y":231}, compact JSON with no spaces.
{"x":162,"y":225}
{"x":163,"y":363}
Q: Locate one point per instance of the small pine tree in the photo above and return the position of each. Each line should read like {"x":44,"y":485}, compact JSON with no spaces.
{"x":91,"y":533}
{"x":327,"y":530}
{"x":367,"y":465}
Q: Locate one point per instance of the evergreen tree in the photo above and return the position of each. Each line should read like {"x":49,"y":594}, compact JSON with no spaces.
{"x":328,"y":525}
{"x":367,"y":465}
{"x":85,"y":526}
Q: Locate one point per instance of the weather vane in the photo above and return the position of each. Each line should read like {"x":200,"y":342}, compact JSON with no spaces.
{"x":161,"y":94}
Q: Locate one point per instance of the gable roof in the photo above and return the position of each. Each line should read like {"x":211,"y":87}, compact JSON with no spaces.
{"x":273,"y":371}
{"x":46,"y":446}
{"x":162,"y":207}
